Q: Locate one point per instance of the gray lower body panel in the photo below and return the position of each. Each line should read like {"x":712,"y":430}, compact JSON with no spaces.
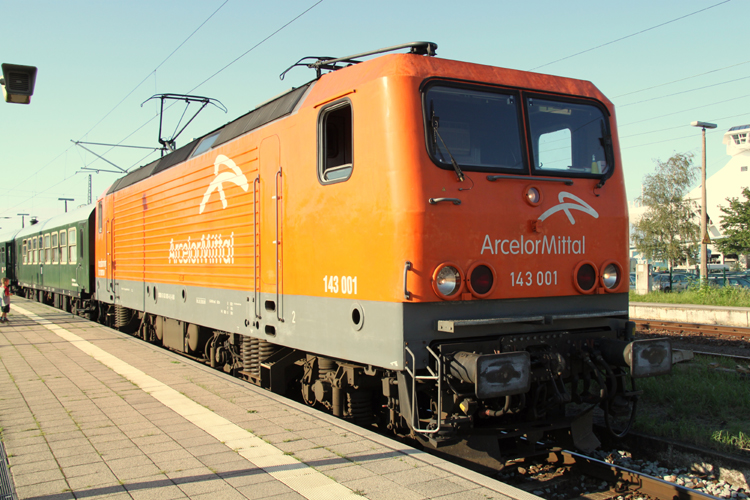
{"x":367,"y":332}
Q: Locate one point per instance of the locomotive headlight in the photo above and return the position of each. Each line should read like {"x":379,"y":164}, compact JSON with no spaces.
{"x":447,"y":280}
{"x":610,"y":276}
{"x":533,"y":196}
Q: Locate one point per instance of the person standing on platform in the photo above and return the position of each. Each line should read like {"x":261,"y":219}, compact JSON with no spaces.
{"x":6,"y":300}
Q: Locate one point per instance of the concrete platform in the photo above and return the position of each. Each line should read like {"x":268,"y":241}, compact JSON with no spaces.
{"x":88,"y":412}
{"x":691,"y":313}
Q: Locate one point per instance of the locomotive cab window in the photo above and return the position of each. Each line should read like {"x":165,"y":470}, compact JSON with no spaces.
{"x":569,"y":138}
{"x":476,"y":128}
{"x":335,"y":143}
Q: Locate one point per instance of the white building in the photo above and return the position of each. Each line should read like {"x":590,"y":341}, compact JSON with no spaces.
{"x":726,"y":183}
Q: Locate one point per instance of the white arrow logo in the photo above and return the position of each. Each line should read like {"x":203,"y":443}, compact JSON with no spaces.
{"x":567,"y":207}
{"x":235,"y":176}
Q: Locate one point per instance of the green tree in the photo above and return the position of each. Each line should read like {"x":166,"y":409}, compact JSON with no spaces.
{"x":668,"y":229}
{"x":735,"y":224}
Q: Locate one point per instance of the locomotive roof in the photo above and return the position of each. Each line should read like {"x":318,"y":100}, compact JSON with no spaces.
{"x":79,"y":214}
{"x":350,"y":76}
{"x":263,"y":114}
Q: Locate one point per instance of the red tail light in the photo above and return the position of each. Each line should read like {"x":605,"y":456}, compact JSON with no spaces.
{"x":585,"y":277}
{"x":481,"y":280}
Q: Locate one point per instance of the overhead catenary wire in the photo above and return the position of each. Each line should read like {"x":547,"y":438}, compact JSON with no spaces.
{"x":156,"y":68}
{"x":680,"y":80}
{"x":631,"y":35}
{"x":320,"y":1}
{"x":226,"y":66}
{"x":732,"y":99}
{"x":36,"y":173}
{"x":684,"y":92}
{"x":197,"y":86}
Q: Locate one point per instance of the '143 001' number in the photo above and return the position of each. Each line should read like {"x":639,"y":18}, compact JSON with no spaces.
{"x":528,"y":278}
{"x":348,"y":284}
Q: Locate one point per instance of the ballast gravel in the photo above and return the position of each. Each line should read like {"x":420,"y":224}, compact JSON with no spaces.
{"x":704,"y":482}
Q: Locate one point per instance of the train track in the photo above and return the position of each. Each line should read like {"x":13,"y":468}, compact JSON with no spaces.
{"x":620,"y":481}
{"x":677,"y":327}
{"x":624,"y":482}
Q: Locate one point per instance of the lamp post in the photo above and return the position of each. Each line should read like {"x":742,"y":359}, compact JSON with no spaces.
{"x":704,"y":228}
{"x":17,"y":82}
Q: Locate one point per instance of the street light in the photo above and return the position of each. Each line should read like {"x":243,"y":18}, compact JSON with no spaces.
{"x":18,"y":83}
{"x":704,"y":228}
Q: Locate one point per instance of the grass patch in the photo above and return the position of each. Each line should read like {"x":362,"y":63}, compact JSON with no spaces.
{"x":728,"y":296}
{"x":704,"y":402}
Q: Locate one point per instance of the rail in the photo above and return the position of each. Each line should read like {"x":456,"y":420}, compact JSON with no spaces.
{"x":677,"y":326}
{"x":626,"y":480}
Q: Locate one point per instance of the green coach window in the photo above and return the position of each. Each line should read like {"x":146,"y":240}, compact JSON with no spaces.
{"x":47,"y":250}
{"x":63,"y":247}
{"x":72,"y":247}
{"x":55,"y":249}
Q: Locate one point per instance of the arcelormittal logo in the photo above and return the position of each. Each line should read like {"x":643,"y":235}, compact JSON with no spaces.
{"x":567,"y":207}
{"x":236,"y":177}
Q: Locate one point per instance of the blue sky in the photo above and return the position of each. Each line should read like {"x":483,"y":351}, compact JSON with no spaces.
{"x":663,"y":64}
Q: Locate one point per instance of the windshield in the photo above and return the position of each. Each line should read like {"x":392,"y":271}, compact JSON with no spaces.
{"x":567,"y":138}
{"x":480,"y":130}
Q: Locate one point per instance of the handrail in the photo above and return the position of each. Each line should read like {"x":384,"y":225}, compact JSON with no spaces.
{"x":279,"y":316}
{"x":493,"y":178}
{"x":435,"y":201}
{"x":256,"y":283}
{"x":432,"y":376}
{"x":407,"y":268}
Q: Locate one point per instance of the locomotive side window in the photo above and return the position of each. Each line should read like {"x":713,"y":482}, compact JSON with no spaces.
{"x":37,"y":244}
{"x":23,"y":252}
{"x":205,"y":145}
{"x":63,"y":247}
{"x":568,"y":138}
{"x":477,"y":129}
{"x":72,"y":246}
{"x":335,"y":143}
{"x":99,"y":216}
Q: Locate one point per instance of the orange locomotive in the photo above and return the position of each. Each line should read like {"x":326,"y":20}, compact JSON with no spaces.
{"x":432,"y":245}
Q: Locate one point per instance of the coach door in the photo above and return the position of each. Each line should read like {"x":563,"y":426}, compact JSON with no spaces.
{"x":269,"y":207}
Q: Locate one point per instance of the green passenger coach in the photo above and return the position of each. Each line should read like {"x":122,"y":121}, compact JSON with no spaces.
{"x":8,"y":256}
{"x":55,"y":259}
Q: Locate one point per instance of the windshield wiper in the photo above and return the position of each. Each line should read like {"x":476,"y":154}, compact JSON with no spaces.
{"x":606,"y":142}
{"x":435,"y":126}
